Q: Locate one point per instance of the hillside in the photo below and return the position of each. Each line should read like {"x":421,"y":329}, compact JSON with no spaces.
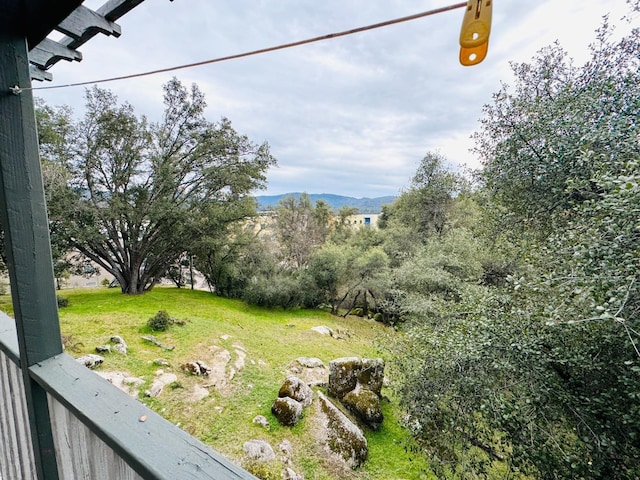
{"x":250,"y":351}
{"x":364,"y":205}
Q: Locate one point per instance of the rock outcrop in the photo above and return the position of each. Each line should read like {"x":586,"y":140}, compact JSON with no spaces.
{"x":357,"y":383}
{"x":343,"y":437}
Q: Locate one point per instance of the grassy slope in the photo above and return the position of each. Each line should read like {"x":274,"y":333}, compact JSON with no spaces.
{"x":271,"y":342}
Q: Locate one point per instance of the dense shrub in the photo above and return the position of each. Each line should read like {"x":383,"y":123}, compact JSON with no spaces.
{"x":62,"y":301}
{"x":161,"y":321}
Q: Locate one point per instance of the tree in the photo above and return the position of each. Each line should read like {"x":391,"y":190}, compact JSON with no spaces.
{"x":301,"y":228}
{"x":425,"y":205}
{"x":137,"y":190}
{"x":540,"y":372}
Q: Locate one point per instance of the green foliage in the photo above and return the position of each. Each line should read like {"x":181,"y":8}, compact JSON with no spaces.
{"x":161,"y":321}
{"x":300,"y":227}
{"x":62,"y":301}
{"x":529,"y":364}
{"x":131,"y":196}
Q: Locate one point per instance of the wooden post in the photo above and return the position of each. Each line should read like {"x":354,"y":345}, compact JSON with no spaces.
{"x":25,"y":224}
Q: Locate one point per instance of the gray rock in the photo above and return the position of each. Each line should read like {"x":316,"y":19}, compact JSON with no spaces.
{"x":323,"y":330}
{"x":103,"y":349}
{"x":119,"y":345}
{"x":287,"y":410}
{"x":343,"y":376}
{"x":365,"y":405}
{"x":295,"y":388}
{"x":90,"y":360}
{"x":197,"y":367}
{"x":344,"y":438}
{"x":161,"y":381}
{"x":161,"y":362}
{"x":310,"y":362}
{"x":262,"y":421}
{"x":371,"y":376}
{"x":289,"y":474}
{"x":259,"y":451}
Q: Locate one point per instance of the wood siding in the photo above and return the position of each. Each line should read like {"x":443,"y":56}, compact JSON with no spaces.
{"x":80,"y":453}
{"x":16,"y":454}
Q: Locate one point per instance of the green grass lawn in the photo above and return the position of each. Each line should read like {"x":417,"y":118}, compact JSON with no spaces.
{"x":272,"y":339}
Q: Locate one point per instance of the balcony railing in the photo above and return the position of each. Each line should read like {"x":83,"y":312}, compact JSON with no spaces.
{"x":99,"y":432}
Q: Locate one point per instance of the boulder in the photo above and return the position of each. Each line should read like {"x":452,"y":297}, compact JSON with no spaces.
{"x":343,"y":376}
{"x":103,"y":349}
{"x":125,"y":382}
{"x":258,"y":451}
{"x":90,"y":360}
{"x":365,"y":405}
{"x":343,"y":437}
{"x":287,"y":410}
{"x":295,"y":388}
{"x":371,"y":376}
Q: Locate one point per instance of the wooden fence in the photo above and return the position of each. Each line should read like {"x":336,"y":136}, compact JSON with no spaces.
{"x":99,"y":432}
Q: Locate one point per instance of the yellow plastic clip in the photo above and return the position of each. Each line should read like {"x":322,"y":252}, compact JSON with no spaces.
{"x":474,"y":34}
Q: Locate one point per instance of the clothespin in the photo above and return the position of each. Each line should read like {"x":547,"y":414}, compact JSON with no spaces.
{"x":474,"y":34}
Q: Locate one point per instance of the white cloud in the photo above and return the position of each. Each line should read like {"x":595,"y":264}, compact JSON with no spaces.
{"x":352,"y":115}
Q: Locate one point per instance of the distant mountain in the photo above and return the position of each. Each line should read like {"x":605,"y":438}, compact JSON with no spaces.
{"x":364,"y":205}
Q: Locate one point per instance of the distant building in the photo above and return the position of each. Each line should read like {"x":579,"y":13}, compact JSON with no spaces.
{"x":366,"y":220}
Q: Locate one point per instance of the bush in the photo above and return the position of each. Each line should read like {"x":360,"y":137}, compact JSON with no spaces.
{"x":160,"y":322}
{"x":62,"y":301}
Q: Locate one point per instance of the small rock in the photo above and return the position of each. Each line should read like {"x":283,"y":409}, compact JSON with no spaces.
{"x":310,"y":362}
{"x":294,"y":388}
{"x":161,"y":362}
{"x":287,"y":449}
{"x":259,"y":450}
{"x":197,"y":368}
{"x":262,"y":421}
{"x":289,"y":474}
{"x":103,"y":349}
{"x":159,"y":383}
{"x":90,"y":360}
{"x":118,"y":339}
{"x":225,"y":337}
{"x":198,"y":393}
{"x":287,"y":410}
{"x":119,"y":345}
{"x":323,"y":330}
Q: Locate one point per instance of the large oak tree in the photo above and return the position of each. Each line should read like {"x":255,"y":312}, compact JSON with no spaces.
{"x":136,"y":192}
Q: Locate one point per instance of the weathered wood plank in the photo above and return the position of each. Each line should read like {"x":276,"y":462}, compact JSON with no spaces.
{"x":149,"y":444}
{"x":16,"y":452}
{"x":26,"y":230}
{"x":81,"y":454}
{"x":49,"y":52}
{"x":83,"y":19}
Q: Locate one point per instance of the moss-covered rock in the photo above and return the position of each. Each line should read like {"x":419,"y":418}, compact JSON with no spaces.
{"x":371,"y":375}
{"x":343,"y":437}
{"x":287,"y":410}
{"x":343,"y":375}
{"x":365,"y":405}
{"x":295,"y":388}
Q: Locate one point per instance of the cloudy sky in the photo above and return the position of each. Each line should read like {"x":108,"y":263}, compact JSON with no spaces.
{"x":351,"y":116}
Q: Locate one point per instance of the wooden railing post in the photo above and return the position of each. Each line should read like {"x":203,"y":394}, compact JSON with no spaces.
{"x":27,"y":247}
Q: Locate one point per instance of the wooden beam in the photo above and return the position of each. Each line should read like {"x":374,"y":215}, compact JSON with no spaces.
{"x":26,"y":229}
{"x":48,"y":52}
{"x":42,"y":16}
{"x":83,"y":19}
